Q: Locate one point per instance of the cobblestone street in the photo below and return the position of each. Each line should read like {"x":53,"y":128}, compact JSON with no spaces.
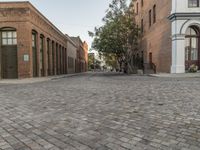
{"x":101,"y":112}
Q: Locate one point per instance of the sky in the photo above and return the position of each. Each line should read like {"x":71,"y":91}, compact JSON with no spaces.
{"x":73,"y":17}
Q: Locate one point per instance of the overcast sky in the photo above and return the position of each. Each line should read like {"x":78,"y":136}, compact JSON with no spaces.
{"x":74,"y":17}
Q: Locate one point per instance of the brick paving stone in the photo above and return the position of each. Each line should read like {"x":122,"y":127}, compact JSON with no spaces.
{"x":101,"y":111}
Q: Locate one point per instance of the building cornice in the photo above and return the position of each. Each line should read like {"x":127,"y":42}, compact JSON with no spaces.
{"x":184,"y":16}
{"x":27,"y":4}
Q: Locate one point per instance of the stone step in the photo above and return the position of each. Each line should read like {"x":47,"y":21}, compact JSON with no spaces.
{"x":149,"y":71}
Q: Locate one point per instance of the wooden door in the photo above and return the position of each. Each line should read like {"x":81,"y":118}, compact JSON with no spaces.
{"x":9,"y":62}
{"x":35,"y":74}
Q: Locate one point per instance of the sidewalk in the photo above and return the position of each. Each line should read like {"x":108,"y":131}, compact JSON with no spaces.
{"x":36,"y":80}
{"x":180,"y":75}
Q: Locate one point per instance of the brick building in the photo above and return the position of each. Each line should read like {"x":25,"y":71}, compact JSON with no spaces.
{"x":30,"y":45}
{"x":85,"y":47}
{"x":170,"y":31}
{"x":81,"y":60}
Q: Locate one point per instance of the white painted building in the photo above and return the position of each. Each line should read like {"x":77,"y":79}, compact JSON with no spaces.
{"x":185,"y":19}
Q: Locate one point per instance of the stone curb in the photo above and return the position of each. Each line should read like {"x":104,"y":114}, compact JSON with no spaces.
{"x":185,"y":75}
{"x":37,"y":80}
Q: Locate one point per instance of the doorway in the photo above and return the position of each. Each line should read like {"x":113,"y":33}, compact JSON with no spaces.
{"x":9,"y":65}
{"x":192,"y":53}
{"x":150,"y":58}
{"x":34,"y":54}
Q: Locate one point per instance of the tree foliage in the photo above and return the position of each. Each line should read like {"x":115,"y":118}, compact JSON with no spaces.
{"x":93,"y":63}
{"x":119,"y":34}
{"x":110,"y":60}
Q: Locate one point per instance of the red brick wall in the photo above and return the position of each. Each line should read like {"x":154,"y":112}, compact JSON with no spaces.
{"x":85,"y":47}
{"x":81,"y":59}
{"x":156,"y":39}
{"x":25,"y":18}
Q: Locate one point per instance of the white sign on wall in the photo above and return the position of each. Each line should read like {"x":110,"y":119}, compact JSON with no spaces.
{"x":26,"y":57}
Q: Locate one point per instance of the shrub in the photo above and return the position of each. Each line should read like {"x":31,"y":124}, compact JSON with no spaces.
{"x":193,"y":68}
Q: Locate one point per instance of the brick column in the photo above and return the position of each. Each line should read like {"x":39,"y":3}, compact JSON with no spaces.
{"x":58,"y":60}
{"x":24,"y":48}
{"x":54,"y":57}
{"x":47,"y":56}
{"x":61,"y":68}
{"x":45,"y":59}
{"x":63,"y":59}
{"x":50,"y":58}
{"x":66,"y":69}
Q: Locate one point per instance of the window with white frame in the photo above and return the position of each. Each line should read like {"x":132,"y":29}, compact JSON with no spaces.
{"x":9,"y":38}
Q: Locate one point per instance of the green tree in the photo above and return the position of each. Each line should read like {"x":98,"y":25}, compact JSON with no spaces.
{"x":110,"y":60}
{"x":93,"y":63}
{"x":119,"y":34}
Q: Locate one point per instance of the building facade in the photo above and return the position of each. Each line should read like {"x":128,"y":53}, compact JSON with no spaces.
{"x":82,"y":58}
{"x":85,"y":47}
{"x":170,"y":31}
{"x":30,"y":45}
{"x":71,"y":56}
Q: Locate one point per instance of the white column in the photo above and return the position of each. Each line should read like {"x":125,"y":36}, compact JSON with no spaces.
{"x":174,"y":6}
{"x":178,"y":54}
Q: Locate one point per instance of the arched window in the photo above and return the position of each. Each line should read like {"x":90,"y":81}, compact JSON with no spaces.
{"x":192,"y":46}
{"x":154,"y":14}
{"x":34,"y":53}
{"x":9,"y":36}
{"x":142,"y":3}
{"x":193,"y":3}
{"x":191,"y":31}
{"x":42,"y":55}
{"x":34,"y":35}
